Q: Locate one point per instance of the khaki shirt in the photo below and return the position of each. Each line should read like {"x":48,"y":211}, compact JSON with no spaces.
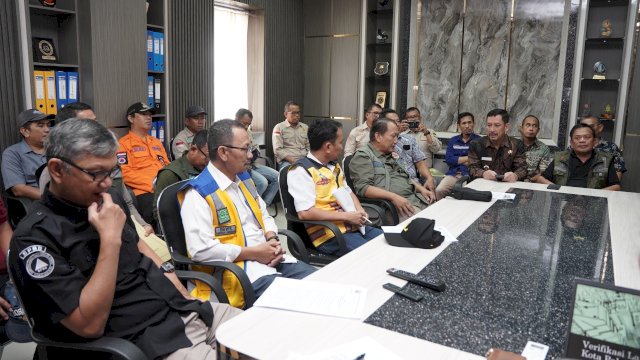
{"x":428,"y":149}
{"x":358,"y":137}
{"x":365,"y":172}
{"x":290,"y":141}
{"x":181,"y":143}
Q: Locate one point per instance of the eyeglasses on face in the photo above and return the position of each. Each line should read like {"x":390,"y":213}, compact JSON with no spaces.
{"x":247,"y":149}
{"x":98,"y":176}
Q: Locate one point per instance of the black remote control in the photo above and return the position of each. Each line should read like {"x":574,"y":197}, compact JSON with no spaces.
{"x":436,"y":285}
{"x":403,"y":292}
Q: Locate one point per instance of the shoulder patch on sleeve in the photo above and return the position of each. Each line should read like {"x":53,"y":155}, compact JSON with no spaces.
{"x":38,"y":263}
{"x":122,"y":158}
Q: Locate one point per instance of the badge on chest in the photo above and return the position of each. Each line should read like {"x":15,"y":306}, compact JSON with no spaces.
{"x":223,"y":216}
{"x":225,"y":230}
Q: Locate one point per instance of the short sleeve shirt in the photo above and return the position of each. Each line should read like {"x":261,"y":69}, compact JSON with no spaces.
{"x":19,"y":165}
{"x":409,"y":154}
{"x":140,"y":161}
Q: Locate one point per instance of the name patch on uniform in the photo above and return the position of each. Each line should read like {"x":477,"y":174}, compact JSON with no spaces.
{"x":323,"y":181}
{"x":161,"y":159}
{"x":223,"y":216}
{"x":225,"y":230}
{"x":122,"y":158}
{"x":378,"y":164}
{"x":461,"y":147}
{"x":39,"y":263}
{"x":156,"y":148}
{"x":138,"y":148}
{"x":486,"y":158}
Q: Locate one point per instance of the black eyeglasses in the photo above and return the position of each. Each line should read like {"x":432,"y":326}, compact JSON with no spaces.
{"x":202,"y":152}
{"x":99,"y":176}
{"x":247,"y":150}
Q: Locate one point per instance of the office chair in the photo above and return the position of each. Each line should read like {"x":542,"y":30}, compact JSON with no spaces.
{"x":171,"y":224}
{"x":386,"y":205}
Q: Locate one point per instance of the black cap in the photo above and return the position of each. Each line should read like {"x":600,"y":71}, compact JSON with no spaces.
{"x":139,"y":107}
{"x":418,"y":234}
{"x":195,"y":110}
{"x":32,"y":115}
{"x":17,"y":328}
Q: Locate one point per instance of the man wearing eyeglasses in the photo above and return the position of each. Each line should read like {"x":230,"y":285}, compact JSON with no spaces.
{"x":186,"y":167}
{"x":225,"y":219}
{"x":141,"y":156}
{"x":359,"y":136}
{"x":194,"y":120}
{"x":289,"y":139}
{"x":20,"y":161}
{"x":82,"y":270}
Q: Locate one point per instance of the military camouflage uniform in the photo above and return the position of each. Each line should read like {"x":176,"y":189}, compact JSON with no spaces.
{"x":538,"y":158}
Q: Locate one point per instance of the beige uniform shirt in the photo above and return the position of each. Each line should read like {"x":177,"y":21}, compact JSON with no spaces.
{"x":290,"y":141}
{"x":358,"y":137}
{"x":428,"y":149}
{"x":182,"y":142}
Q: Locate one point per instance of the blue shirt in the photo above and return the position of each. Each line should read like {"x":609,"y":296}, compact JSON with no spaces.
{"x":19,"y":165}
{"x":409,"y":154}
{"x":456,"y":147}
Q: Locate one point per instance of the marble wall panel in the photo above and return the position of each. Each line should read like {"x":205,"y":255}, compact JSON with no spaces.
{"x":485,"y":57}
{"x":533,"y":62}
{"x":439,"y":62}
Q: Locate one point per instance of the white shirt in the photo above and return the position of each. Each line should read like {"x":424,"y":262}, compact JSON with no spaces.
{"x":302,"y":188}
{"x":198,"y":227}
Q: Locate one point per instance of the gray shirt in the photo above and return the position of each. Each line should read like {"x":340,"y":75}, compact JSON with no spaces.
{"x":19,"y":165}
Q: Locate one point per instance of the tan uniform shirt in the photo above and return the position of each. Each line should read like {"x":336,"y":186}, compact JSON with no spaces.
{"x":290,"y":141}
{"x":182,"y":142}
{"x":358,"y":137}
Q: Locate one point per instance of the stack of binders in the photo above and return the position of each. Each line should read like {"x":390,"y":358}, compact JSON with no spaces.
{"x":54,"y":89}
{"x":155,"y":51}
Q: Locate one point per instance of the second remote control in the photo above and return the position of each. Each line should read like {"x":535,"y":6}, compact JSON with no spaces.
{"x":412,"y":278}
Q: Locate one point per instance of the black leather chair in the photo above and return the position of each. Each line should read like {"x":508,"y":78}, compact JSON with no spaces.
{"x":115,"y":347}
{"x":17,"y":208}
{"x":173,"y":230}
{"x":382,"y":203}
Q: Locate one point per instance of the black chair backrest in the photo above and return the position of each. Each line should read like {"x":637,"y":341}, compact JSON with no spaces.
{"x":170,"y":150}
{"x":170,"y":219}
{"x":290,"y":210}
{"x":347,"y":172}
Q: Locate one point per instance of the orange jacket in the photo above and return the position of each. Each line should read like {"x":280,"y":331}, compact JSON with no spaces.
{"x":140,"y":161}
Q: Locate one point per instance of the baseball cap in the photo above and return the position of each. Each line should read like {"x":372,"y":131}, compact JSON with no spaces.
{"x":32,"y":115}
{"x":17,"y":328}
{"x":139,"y":107}
{"x":194,"y":110}
{"x":418,"y":234}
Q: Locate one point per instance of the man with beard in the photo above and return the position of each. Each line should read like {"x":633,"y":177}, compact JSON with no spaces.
{"x":582,"y":166}
{"x":225,"y":219}
{"x":497,"y":156}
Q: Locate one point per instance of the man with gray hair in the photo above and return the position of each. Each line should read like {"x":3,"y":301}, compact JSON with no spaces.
{"x":225,"y":219}
{"x":83,"y":272}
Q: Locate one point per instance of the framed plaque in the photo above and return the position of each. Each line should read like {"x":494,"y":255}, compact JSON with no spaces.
{"x":44,"y":51}
{"x":382,"y":68}
{"x":381,"y":98}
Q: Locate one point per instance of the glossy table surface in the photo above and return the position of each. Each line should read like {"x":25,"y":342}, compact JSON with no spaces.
{"x":272,"y":334}
{"x":510,"y":277}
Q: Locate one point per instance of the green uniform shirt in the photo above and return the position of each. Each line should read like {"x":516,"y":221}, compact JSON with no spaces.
{"x":178,"y":170}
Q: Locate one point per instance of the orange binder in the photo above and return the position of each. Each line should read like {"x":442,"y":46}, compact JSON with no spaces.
{"x":39,"y":89}
{"x":50,"y":92}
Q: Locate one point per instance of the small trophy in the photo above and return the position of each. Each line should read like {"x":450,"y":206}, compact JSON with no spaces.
{"x":600,"y":71}
{"x":43,"y":50}
{"x":382,"y":68}
{"x":381,"y":37}
{"x":606,"y":29}
{"x":608,"y":113}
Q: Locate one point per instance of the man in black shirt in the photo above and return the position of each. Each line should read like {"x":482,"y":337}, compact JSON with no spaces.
{"x":582,"y":166}
{"x":83,"y":273}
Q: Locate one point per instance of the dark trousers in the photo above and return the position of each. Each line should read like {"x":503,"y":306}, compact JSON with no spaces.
{"x":145,"y":208}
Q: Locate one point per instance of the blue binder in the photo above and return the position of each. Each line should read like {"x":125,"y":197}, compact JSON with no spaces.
{"x":149,"y":50}
{"x":153,"y":129}
{"x":150,"y":100}
{"x":161,"y":52}
{"x":61,"y":86}
{"x":156,"y":51}
{"x":160,"y":131}
{"x":72,"y":87}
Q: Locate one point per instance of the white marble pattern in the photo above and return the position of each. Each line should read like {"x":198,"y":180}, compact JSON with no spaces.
{"x":533,"y":62}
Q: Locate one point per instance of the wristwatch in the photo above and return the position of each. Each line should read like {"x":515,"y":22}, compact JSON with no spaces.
{"x":167,"y":267}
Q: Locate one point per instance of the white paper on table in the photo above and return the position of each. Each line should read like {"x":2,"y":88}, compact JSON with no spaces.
{"x":443,"y":231}
{"x":314,"y":297}
{"x":343,"y":197}
{"x":351,"y":350}
{"x":502,"y":196}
